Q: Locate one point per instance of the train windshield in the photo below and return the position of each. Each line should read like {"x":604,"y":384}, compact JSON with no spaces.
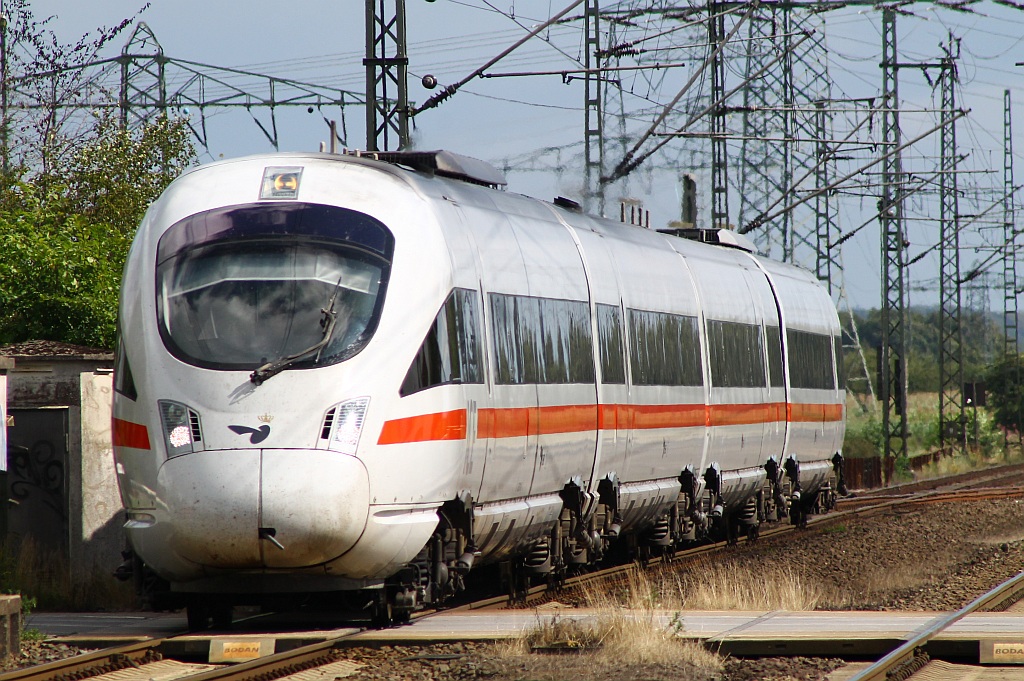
{"x":247,"y":285}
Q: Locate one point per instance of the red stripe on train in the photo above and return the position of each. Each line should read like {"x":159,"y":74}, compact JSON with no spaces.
{"x":128,"y":434}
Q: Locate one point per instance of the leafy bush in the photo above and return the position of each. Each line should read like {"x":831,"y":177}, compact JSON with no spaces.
{"x":1004,"y":383}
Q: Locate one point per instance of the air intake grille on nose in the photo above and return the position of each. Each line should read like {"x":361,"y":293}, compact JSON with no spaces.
{"x":193,"y":422}
{"x":325,"y":432}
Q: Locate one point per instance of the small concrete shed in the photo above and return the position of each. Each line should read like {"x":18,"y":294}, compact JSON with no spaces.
{"x":61,"y":485}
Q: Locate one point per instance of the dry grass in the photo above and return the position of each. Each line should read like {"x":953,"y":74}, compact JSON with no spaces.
{"x":614,"y":638}
{"x":43,"y":578}
{"x":630,"y":626}
{"x":619,"y":634}
{"x":710,"y":586}
{"x":972,"y":460}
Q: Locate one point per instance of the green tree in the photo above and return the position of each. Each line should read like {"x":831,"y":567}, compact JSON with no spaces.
{"x":65,"y":233}
{"x":1004,"y":383}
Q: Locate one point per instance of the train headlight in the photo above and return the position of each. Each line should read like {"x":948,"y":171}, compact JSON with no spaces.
{"x":182,"y":434}
{"x":348,"y":424}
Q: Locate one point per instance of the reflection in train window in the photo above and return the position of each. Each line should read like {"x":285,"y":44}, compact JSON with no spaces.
{"x":736,"y":355}
{"x":541,"y":340}
{"x":774,"y":337}
{"x":451,"y":351}
{"x":810,"y":360}
{"x":665,"y":349}
{"x":609,"y":337}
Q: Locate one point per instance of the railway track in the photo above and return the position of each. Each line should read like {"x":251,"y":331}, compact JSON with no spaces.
{"x":909,"y":658}
{"x":149,"y":660}
{"x":967,"y":487}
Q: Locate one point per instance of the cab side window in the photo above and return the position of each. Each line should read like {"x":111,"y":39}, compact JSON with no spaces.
{"x":451,"y":351}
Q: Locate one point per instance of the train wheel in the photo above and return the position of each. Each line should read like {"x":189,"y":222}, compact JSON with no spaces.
{"x":383,"y":615}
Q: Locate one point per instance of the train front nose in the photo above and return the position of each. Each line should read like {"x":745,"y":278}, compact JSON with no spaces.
{"x":264,"y":508}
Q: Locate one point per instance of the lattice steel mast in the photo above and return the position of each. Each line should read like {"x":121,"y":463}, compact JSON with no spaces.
{"x":764,"y":172}
{"x":143,"y":81}
{"x":892,"y":357}
{"x":387,"y":70}
{"x":952,"y":431}
{"x":593,"y":122}
{"x":1011,"y":349}
{"x":719,"y":158}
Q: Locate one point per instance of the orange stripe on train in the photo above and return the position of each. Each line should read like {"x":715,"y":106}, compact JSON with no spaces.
{"x":524,"y":421}
{"x":447,"y":425}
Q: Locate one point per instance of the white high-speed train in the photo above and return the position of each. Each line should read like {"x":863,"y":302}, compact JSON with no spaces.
{"x":368,"y":374}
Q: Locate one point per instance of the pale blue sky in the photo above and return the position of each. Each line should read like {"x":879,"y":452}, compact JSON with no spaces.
{"x":498,"y":119}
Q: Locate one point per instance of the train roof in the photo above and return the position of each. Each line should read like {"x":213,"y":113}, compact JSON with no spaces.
{"x":467,"y":170}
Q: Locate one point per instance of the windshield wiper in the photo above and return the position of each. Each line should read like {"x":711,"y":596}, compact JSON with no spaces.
{"x":328,"y":320}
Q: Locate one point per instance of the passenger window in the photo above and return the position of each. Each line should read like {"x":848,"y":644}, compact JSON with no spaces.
{"x":507,"y":357}
{"x":541,"y":340}
{"x":840,"y":367}
{"x":609,"y":343}
{"x":737,"y":357}
{"x":581,"y":342}
{"x":774,"y":337}
{"x":665,"y":349}
{"x":451,"y":351}
{"x":810,"y":360}
{"x":530,"y":339}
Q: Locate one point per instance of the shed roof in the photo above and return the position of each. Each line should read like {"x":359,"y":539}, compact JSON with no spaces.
{"x":54,"y":350}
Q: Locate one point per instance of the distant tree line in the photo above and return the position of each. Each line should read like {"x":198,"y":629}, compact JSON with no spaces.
{"x":983,"y":360}
{"x":982,"y":344}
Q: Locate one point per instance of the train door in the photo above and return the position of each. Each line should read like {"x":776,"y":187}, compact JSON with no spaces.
{"x":505,"y":443}
{"x":613,"y":431}
{"x":777,"y":422}
{"x":471,"y":302}
{"x":555,"y":319}
{"x":778,"y":434}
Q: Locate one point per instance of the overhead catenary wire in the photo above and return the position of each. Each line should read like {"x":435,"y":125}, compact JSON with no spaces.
{"x":452,"y":89}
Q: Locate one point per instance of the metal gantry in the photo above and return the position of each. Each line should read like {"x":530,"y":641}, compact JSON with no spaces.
{"x":952,"y":430}
{"x":892,"y":355}
{"x":387,"y":71}
{"x":826,"y":214}
{"x":143,"y":79}
{"x":149,"y":84}
{"x":780,"y":120}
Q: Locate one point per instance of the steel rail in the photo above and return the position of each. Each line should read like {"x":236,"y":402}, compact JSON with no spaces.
{"x":88,"y":664}
{"x":907,"y":653}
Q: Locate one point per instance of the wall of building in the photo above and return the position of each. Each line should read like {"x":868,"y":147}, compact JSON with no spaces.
{"x":96,"y":518}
